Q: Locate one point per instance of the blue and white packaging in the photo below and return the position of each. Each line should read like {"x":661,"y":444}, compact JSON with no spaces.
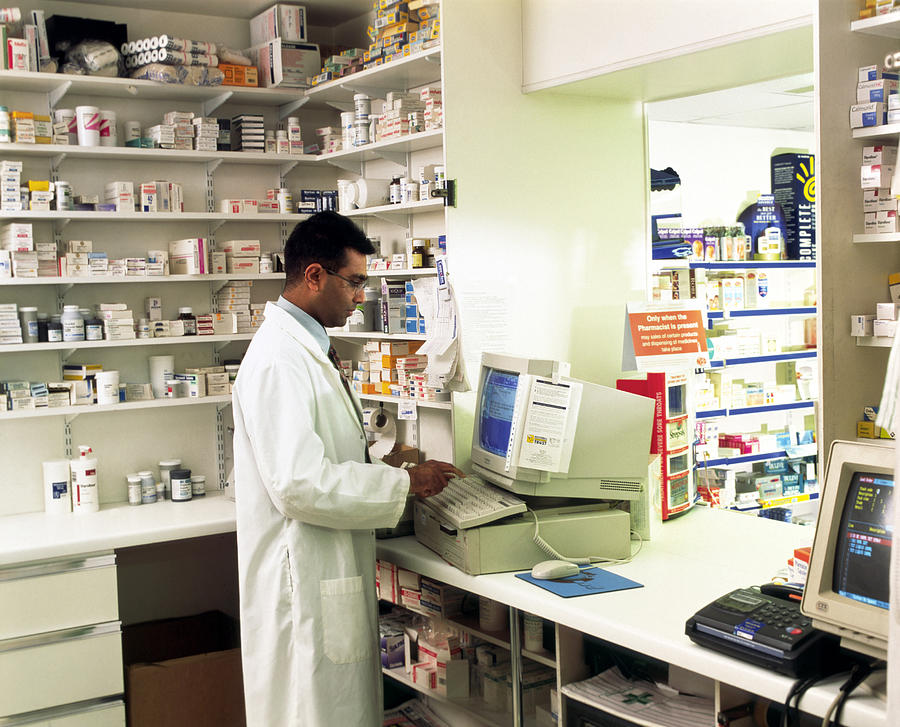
{"x":877,"y":90}
{"x":864,"y":115}
{"x":874,"y":73}
{"x":794,"y":188}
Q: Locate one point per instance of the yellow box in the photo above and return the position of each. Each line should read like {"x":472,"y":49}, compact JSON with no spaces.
{"x":38,"y":185}
{"x":368,"y":388}
{"x":385,"y":387}
{"x":865,"y":430}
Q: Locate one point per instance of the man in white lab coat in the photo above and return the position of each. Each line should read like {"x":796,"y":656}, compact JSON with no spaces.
{"x":308,"y":500}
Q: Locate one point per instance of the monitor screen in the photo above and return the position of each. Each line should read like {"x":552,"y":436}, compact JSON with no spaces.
{"x":863,"y":556}
{"x":496,"y":408}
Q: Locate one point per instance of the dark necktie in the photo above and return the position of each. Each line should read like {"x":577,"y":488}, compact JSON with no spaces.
{"x":336,"y":362}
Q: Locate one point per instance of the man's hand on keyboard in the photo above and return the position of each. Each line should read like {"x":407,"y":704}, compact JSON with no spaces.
{"x":431,"y":477}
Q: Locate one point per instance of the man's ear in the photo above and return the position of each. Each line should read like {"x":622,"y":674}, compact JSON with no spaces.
{"x":314,"y":276}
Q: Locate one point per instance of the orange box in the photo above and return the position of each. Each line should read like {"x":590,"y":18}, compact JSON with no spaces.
{"x":368,"y":388}
{"x":239,"y":75}
{"x":385,"y":388}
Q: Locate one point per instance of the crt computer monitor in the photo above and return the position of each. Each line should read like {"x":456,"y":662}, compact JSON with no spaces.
{"x":847,"y":587}
{"x":608,"y":433}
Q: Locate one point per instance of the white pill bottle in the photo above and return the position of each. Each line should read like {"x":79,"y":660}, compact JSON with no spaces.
{"x":85,"y":490}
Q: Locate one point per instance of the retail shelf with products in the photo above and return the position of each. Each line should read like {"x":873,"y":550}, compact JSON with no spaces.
{"x":753,"y":265}
{"x":80,"y":216}
{"x":711,"y":413}
{"x":875,"y":341}
{"x":757,"y":312}
{"x":394,"y":149}
{"x":72,"y":411}
{"x":417,"y":69}
{"x":802,"y":450}
{"x":339,"y":333}
{"x":876,"y":133}
{"x":402,"y":272}
{"x":887,"y":26}
{"x":398,"y":400}
{"x":138,"y":279}
{"x":737,"y":361}
{"x":163,"y":341}
{"x":61,"y":152}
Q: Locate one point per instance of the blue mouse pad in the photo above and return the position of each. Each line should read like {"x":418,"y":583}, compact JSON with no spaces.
{"x":588,"y":581}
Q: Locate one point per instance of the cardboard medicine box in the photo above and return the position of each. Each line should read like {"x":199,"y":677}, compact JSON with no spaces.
{"x":284,"y":21}
{"x":794,"y":188}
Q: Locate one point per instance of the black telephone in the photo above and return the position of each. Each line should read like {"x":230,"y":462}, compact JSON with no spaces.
{"x":764,"y":626}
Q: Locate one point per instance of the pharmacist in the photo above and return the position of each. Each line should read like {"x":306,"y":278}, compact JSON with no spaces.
{"x":308,"y":498}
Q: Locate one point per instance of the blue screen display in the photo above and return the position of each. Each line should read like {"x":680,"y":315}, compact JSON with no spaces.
{"x":498,"y":399}
{"x":863,"y":557}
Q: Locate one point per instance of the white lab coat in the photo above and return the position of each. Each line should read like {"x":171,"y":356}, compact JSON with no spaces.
{"x":307,"y":505}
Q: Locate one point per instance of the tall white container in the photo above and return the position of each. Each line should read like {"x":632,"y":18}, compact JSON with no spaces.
{"x":87,"y":119}
{"x":85,"y":490}
{"x":109,"y":135}
{"x":57,"y":487}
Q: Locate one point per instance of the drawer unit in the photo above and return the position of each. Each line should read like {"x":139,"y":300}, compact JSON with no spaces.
{"x":60,"y":667}
{"x":57,"y":594}
{"x":108,"y":712}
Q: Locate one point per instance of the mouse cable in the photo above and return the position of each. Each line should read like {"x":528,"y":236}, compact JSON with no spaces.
{"x":589,"y":560}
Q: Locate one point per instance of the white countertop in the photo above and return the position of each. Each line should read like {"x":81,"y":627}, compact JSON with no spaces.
{"x":36,"y":536}
{"x":697,"y":558}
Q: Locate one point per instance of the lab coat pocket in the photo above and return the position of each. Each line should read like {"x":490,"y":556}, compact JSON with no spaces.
{"x":346,"y":624}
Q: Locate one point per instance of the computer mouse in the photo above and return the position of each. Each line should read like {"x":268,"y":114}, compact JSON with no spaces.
{"x":550,"y":570}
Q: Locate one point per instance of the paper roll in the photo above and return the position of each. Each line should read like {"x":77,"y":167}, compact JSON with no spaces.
{"x":383,"y":428}
{"x":57,"y":488}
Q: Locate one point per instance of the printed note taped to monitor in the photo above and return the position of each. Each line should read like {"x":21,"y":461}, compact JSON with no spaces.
{"x":550,"y":425}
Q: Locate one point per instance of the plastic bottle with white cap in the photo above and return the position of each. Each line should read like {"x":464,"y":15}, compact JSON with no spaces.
{"x":85,"y":491}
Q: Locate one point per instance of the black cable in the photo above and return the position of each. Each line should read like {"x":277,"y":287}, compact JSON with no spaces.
{"x":796,"y":692}
{"x":858,"y":674}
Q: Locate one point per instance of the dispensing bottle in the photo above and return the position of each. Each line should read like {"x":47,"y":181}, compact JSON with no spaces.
{"x":85,"y":492}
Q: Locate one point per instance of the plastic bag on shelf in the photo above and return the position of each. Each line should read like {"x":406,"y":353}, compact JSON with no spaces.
{"x":232,"y":56}
{"x":184,"y":75}
{"x":96,"y":57}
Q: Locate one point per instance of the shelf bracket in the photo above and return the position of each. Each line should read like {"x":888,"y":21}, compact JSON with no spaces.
{"x":372,"y":91}
{"x":222,"y":407}
{"x":57,"y":160}
{"x":397,"y":157}
{"x":214,"y":103}
{"x":65,"y":288}
{"x":341,"y":105}
{"x":287,"y":109}
{"x":217,"y":285}
{"x":57,"y":93}
{"x":211,"y":166}
{"x":347,"y":165}
{"x":219,"y":347}
{"x":286,"y":168}
{"x":71,"y":418}
{"x":66,"y":354}
{"x":393,"y":218}
{"x":62,"y":222}
{"x":215,"y":225}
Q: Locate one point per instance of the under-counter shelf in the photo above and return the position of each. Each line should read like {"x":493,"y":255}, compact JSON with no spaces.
{"x":72,"y":411}
{"x":417,"y":69}
{"x":474,"y":707}
{"x":119,"y":279}
{"x":162,"y":341}
{"x":126,"y":153}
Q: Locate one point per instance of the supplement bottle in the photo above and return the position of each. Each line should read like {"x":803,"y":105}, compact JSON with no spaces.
{"x":186,"y":314}
{"x":55,"y":329}
{"x":28,"y":321}
{"x":72,"y":324}
{"x":93,"y":326}
{"x":43,"y":320}
{"x":182,"y":490}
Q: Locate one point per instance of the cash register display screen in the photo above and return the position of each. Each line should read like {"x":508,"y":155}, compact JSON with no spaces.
{"x":863,"y":554}
{"x":498,"y":399}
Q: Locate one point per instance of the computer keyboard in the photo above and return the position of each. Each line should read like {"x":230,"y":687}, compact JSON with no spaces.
{"x":467,"y":502}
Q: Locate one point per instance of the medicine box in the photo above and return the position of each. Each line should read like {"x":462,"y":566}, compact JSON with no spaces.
{"x":283,"y":63}
{"x":877,"y":90}
{"x":867,"y":114}
{"x":876,"y":176}
{"x":873,"y":198}
{"x":284,"y":21}
{"x":886,"y":221}
{"x":884,"y":328}
{"x":874,"y":73}
{"x":879,"y":154}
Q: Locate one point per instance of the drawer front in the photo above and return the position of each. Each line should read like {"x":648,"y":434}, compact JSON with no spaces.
{"x":76,"y":595}
{"x":104,"y":714}
{"x":68,"y":670}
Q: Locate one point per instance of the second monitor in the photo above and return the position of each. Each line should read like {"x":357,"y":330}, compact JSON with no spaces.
{"x":540,"y":432}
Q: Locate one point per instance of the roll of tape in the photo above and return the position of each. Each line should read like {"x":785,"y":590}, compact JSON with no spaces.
{"x":383,"y":427}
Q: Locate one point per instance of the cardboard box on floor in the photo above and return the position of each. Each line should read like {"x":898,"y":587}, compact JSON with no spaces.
{"x":400,"y":454}
{"x":184,"y":671}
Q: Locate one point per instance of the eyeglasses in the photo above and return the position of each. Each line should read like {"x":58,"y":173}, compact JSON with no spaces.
{"x":357,"y":285}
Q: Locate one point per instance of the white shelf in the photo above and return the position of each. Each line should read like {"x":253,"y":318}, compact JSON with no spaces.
{"x":875,"y":341}
{"x":882,"y":131}
{"x":886,"y":26}
{"x":81,"y":345}
{"x":402,"y":272}
{"x":421,"y":403}
{"x":878,"y":236}
{"x":80,"y":215}
{"x":126,"y":153}
{"x":475,"y":708}
{"x":134,"y":279}
{"x":339,"y":333}
{"x":69,"y":411}
{"x":399,"y":210}
{"x":417,"y":69}
{"x":388,"y":148}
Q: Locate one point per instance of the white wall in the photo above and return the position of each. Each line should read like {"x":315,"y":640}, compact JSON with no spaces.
{"x":718,"y":165}
{"x":547,"y":242}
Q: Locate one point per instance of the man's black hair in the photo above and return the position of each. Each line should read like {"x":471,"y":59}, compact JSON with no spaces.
{"x":323,"y":239}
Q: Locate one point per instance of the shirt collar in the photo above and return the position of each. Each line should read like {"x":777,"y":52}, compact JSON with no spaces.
{"x":315,"y":329}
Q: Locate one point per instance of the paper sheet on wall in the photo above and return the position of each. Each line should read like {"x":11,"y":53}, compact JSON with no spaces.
{"x":442,"y":345}
{"x":548,"y":416}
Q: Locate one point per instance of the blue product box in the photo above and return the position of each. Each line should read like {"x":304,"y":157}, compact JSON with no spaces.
{"x":422,"y":326}
{"x":412,"y":325}
{"x":783,"y":439}
{"x":412,"y":310}
{"x":776,"y":467}
{"x":791,"y":484}
{"x":392,"y":650}
{"x":442,"y":244}
{"x":806,"y":437}
{"x":409,"y":287}
{"x":794,"y":188}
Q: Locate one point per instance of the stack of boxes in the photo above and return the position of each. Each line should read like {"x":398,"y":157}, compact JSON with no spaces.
{"x":884,"y":322}
{"x":118,"y":321}
{"x":873,"y":105}
{"x":380,"y":373}
{"x":331,"y":139}
{"x":876,"y":173}
{"x":10,"y":180}
{"x":120,"y":195}
{"x":279,"y":47}
{"x":248,"y":133}
{"x":434,"y":108}
{"x":868,"y":429}
{"x":241,"y":256}
{"x":10,"y":327}
{"x":189,"y":256}
{"x":17,"y":256}
{"x":234,"y":312}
